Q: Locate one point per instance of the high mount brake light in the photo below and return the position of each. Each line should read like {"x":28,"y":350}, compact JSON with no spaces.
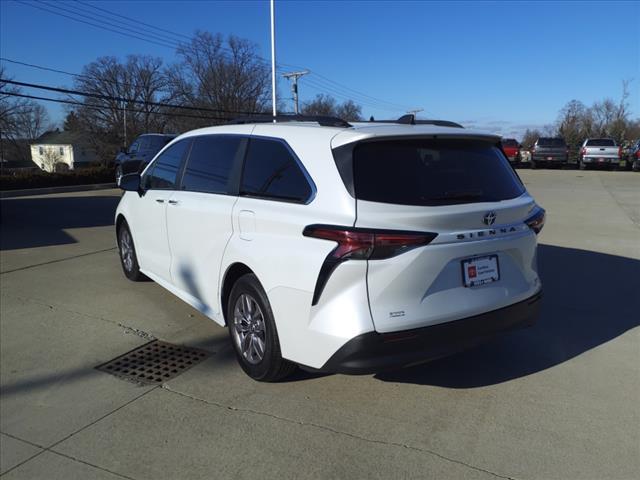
{"x":536,"y":221}
{"x":361,"y":244}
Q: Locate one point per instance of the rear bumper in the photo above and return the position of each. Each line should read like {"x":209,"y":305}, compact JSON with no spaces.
{"x":605,"y":160}
{"x":550,"y":159}
{"x":373,"y":352}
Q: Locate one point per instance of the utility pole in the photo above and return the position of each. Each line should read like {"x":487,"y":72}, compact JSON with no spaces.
{"x":294,"y":86}
{"x":273,"y":59}
{"x":124,"y":122}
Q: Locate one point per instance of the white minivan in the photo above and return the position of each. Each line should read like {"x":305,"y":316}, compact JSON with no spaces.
{"x":337,"y":247}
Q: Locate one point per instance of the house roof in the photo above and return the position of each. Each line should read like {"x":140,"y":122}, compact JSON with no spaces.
{"x":56,"y":137}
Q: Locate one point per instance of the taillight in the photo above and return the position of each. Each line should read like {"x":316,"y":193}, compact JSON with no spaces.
{"x":361,"y":244}
{"x":536,"y":221}
{"x":619,"y":152}
{"x":638,"y":154}
{"x":583,"y":151}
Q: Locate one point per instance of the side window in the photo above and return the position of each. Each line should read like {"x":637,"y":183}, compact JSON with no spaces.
{"x":134,"y":147}
{"x":209,"y":164}
{"x":163,"y":173}
{"x":271,"y":171}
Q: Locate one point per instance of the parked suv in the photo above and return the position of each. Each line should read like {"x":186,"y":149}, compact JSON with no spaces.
{"x":337,"y":247}
{"x":549,"y":152}
{"x":140,"y":153}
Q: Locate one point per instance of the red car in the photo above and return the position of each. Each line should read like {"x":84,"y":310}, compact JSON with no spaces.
{"x":511,"y":148}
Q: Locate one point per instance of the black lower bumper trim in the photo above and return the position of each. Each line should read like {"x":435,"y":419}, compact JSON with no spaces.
{"x":373,"y":352}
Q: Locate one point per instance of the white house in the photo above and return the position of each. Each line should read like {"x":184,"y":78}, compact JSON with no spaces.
{"x":56,"y":151}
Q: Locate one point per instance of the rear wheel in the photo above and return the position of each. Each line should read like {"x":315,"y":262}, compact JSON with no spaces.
{"x":253,"y":332}
{"x":128,"y":257}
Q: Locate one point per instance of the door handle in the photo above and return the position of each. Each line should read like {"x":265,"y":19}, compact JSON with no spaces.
{"x":159,"y":200}
{"x":173,"y":202}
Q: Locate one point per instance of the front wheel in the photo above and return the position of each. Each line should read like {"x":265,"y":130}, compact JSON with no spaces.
{"x":253,"y":332}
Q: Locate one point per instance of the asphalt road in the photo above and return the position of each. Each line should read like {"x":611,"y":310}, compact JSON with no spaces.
{"x":560,"y":400}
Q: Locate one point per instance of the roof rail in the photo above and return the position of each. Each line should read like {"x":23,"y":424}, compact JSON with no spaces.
{"x":410,"y":119}
{"x":322,"y":120}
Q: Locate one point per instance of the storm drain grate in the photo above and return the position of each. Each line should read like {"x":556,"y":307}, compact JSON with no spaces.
{"x":154,"y":363}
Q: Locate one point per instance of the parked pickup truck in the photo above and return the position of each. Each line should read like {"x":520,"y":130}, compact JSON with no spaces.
{"x":549,"y":152}
{"x":511,"y":149}
{"x":599,"y":152}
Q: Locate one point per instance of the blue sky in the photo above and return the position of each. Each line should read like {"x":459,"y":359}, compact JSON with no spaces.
{"x":501,"y":66}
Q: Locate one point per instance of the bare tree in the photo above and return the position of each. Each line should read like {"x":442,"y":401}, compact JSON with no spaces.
{"x":214,"y":74}
{"x":139,"y":82}
{"x":327,"y":105}
{"x":530,"y":137}
{"x":50,"y":159}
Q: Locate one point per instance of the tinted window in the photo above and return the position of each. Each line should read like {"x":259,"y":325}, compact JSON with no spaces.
{"x":165,"y":168}
{"x":271,"y":171}
{"x":210,"y":163}
{"x":601,"y":142}
{"x":551,"y":142}
{"x":433,"y":172}
{"x":156,"y":142}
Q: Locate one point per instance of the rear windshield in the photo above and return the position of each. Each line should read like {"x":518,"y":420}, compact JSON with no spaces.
{"x":551,"y":142}
{"x":601,"y":142}
{"x":509,"y":142}
{"x":433,"y":172}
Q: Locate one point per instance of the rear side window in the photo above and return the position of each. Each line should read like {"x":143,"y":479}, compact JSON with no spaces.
{"x":164,"y":171}
{"x":601,"y":142}
{"x":271,"y":171}
{"x":433,"y":172}
{"x":209,"y":164}
{"x":551,"y":142}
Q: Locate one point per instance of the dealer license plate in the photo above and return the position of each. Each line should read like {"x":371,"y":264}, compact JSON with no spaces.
{"x":480,"y":270}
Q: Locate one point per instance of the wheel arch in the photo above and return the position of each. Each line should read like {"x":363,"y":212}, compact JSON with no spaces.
{"x":231,"y":276}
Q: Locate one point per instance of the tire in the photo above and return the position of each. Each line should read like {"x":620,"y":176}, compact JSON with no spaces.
{"x":581,"y":165}
{"x":533,"y":165}
{"x":253,"y":332}
{"x":128,"y":257}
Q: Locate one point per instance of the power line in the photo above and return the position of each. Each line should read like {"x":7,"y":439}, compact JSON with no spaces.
{"x":96,"y":107}
{"x":126,"y":100}
{"x":320,"y":82}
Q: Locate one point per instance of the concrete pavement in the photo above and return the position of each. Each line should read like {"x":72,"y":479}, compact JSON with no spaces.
{"x":559,"y":400}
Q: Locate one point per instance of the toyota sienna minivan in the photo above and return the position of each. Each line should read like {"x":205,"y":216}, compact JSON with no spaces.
{"x":337,"y":247}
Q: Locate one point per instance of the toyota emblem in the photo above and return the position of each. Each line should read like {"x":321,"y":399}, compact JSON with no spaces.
{"x":489,"y":218}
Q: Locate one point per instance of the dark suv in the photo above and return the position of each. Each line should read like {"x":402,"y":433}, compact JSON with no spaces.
{"x":140,"y":153}
{"x":549,"y":152}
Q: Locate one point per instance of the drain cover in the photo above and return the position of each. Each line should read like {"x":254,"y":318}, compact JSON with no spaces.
{"x":154,"y":363}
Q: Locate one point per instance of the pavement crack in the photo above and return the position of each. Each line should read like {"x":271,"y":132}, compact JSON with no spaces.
{"x":58,"y":260}
{"x":337,"y":432}
{"x":50,"y":448}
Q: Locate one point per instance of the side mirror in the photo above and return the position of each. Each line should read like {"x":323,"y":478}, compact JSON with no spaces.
{"x":130,"y":183}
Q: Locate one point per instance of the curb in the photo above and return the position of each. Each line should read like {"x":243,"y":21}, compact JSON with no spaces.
{"x":48,"y":190}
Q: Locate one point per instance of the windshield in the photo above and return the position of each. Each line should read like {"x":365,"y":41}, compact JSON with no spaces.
{"x":433,"y":172}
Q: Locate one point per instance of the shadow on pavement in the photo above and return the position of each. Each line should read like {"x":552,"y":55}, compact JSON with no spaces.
{"x":589,"y":299}
{"x":39,"y":222}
